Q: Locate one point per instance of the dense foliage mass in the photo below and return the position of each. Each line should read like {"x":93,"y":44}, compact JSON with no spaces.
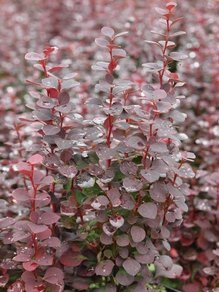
{"x":109,"y":142}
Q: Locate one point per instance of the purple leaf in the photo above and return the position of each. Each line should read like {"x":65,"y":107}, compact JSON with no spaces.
{"x":50,"y":82}
{"x":104,"y":268}
{"x":42,"y":257}
{"x":131,"y":266}
{"x":153,"y":67}
{"x":42,"y":199}
{"x":5,"y":222}
{"x":158,"y":192}
{"x":177,"y":56}
{"x":34,"y":228}
{"x":85,"y":181}
{"x":64,"y":144}
{"x":67,"y":208}
{"x":46,"y":181}
{"x":30,"y":281}
{"x":114,"y":197}
{"x":185,"y":171}
{"x":69,"y":171}
{"x":105,"y":239}
{"x":115,"y":110}
{"x":128,"y":168}
{"x":107,"y":31}
{"x":135,"y":142}
{"x":71,"y":259}
{"x":150,"y":175}
{"x":30,"y":266}
{"x":43,"y":114}
{"x":117,"y":221}
{"x":34,"y":57}
{"x":172,"y":273}
{"x":48,"y":218}
{"x":67,"y":84}
{"x":108,"y":229}
{"x":127,"y":201}
{"x":51,"y":130}
{"x":23,"y":167}
{"x":122,"y":240}
{"x":100,"y":202}
{"x":54,"y":276}
{"x":138,"y":233}
{"x":35,"y":159}
{"x":51,"y":242}
{"x":119,"y":53}
{"x":132,"y":184}
{"x":124,"y":279}
{"x":21,"y":195}
{"x":65,"y":108}
{"x":101,"y":42}
{"x":24,"y":254}
{"x":63,"y":98}
{"x":158,"y":148}
{"x":148,"y":210}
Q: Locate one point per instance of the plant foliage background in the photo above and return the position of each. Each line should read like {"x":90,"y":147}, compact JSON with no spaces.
{"x":109,"y":145}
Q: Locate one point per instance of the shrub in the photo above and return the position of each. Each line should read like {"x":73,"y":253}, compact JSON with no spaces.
{"x":103,"y":179}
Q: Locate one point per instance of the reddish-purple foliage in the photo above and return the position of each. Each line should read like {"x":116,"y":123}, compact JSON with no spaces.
{"x":96,"y":168}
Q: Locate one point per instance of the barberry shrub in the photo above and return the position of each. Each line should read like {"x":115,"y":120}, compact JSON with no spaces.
{"x":104,"y":186}
{"x":196,"y":243}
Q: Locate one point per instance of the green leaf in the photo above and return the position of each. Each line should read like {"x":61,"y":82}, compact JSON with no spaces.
{"x":93,"y":158}
{"x":94,"y":191}
{"x":80,"y":197}
{"x":67,"y":185}
{"x":80,"y":161}
{"x":137,"y":159}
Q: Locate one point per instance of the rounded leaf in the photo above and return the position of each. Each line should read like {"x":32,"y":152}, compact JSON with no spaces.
{"x":131,"y":266}
{"x":54,"y":276}
{"x":148,"y":210}
{"x":124,"y":279}
{"x":132,"y":184}
{"x":137,"y":233}
{"x":35,"y":159}
{"x":107,"y":31}
{"x":122,"y":240}
{"x":32,"y":56}
{"x":104,"y":268}
{"x":69,"y":171}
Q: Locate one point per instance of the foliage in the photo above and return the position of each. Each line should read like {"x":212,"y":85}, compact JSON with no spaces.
{"x":98,"y":192}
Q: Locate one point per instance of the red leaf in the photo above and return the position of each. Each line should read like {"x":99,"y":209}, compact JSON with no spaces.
{"x":34,"y":57}
{"x":148,"y":210}
{"x":54,"y":276}
{"x":30,"y":266}
{"x":63,"y":98}
{"x":107,"y":31}
{"x":171,"y":5}
{"x":104,"y":268}
{"x":138,"y":233}
{"x":35,"y":159}
{"x":131,"y":266}
{"x":52,"y":242}
{"x":48,"y":50}
{"x":37,"y":228}
{"x":21,"y":195}
{"x":5,"y":222}
{"x":71,"y":259}
{"x":23,"y":168}
{"x":48,"y":218}
{"x":53,"y":92}
{"x":42,"y":257}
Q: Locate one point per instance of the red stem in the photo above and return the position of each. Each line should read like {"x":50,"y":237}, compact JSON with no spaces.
{"x":161,"y":73}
